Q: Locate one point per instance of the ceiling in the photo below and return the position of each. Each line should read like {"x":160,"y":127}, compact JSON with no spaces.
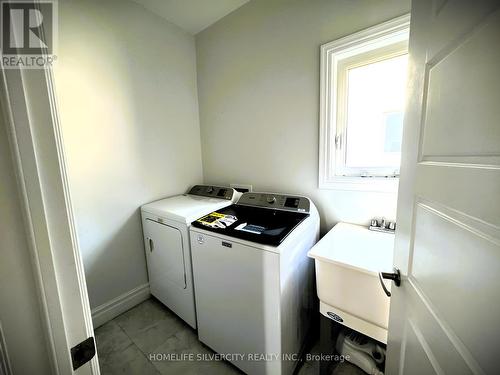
{"x":192,"y":15}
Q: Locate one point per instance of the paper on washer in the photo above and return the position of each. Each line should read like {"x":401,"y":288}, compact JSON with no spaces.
{"x":217,"y":220}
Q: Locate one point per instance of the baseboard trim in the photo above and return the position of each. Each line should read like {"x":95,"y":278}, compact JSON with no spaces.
{"x":111,"y":309}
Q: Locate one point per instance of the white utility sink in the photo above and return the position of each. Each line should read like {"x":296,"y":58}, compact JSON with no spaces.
{"x":348,"y":259}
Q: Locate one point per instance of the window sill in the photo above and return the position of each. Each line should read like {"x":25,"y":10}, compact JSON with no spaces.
{"x":373,"y":184}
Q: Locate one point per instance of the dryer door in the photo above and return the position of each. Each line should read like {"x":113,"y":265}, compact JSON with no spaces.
{"x":165,"y":255}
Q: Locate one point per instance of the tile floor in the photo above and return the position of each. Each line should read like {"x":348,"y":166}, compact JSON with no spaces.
{"x":125,"y":343}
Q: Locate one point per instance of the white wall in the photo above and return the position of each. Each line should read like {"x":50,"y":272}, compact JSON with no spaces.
{"x":126,"y":85}
{"x":258,"y":88}
{"x":19,"y":310}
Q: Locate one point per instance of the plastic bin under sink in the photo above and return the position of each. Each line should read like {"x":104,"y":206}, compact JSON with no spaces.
{"x":347,"y":260}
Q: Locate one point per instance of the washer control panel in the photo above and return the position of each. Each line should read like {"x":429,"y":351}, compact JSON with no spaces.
{"x":278,"y":201}
{"x":213,"y":191}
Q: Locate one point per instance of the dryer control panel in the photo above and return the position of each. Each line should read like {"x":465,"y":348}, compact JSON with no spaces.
{"x":277,"y":201}
{"x":213,"y":191}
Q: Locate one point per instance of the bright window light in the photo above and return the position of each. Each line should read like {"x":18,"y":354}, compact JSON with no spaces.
{"x":375,"y":101}
{"x":363,"y":85}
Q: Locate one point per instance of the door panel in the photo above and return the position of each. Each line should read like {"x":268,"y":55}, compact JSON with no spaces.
{"x":453,"y":190}
{"x":165,"y":255}
{"x":448,"y":22}
{"x":444,"y":317}
{"x":419,"y":359}
{"x":439,"y":340}
{"x":470,"y":121}
{"x":448,"y":256}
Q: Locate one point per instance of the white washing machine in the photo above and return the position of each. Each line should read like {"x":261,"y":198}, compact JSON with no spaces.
{"x":254,"y":284}
{"x":166,"y":225}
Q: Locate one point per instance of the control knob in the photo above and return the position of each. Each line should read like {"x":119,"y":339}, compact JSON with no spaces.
{"x":271,"y":199}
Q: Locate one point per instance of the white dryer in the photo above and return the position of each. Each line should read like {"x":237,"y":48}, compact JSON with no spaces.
{"x":166,"y":225}
{"x":254,"y":282}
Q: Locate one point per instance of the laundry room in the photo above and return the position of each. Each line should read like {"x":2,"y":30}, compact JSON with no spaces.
{"x":249,"y":187}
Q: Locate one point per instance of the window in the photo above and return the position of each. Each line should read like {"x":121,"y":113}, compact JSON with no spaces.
{"x":363,"y":84}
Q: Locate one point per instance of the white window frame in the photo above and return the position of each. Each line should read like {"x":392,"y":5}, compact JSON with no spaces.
{"x":391,"y":37}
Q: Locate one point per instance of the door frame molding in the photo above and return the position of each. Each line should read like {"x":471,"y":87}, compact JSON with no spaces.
{"x":35,"y":138}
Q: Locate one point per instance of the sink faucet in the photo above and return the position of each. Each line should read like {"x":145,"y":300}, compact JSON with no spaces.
{"x":382,"y":225}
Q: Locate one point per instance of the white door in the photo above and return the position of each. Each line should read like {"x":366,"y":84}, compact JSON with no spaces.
{"x":165,"y":257}
{"x":445,"y":317}
{"x":28,"y":99}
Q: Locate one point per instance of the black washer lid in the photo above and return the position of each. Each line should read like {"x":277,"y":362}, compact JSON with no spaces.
{"x":256,"y":224}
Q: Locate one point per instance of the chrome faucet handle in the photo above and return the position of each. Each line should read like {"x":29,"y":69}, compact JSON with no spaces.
{"x":383,"y":224}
